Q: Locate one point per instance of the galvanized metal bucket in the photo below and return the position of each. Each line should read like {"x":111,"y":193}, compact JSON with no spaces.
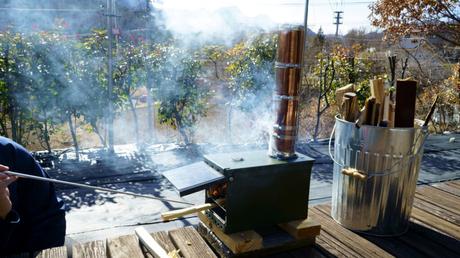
{"x":375,"y":176}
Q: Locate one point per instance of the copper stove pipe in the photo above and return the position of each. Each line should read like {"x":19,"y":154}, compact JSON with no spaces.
{"x":288,"y":76}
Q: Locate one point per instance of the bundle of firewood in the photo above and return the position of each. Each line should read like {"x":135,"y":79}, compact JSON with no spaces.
{"x":383,"y":108}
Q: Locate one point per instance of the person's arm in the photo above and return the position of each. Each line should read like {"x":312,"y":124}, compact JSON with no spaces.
{"x":8,"y":218}
{"x":41,"y":211}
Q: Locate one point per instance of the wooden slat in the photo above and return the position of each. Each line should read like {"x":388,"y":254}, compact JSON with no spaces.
{"x":190,"y":243}
{"x":350,"y":240}
{"x":163,"y":240}
{"x":448,"y":187}
{"x":426,"y":246}
{"x":436,"y":222}
{"x":57,"y":252}
{"x":443,"y":199}
{"x":443,"y":240}
{"x":95,"y":249}
{"x":455,"y":183}
{"x":333,"y":246}
{"x":427,"y":206}
{"x":124,"y":246}
{"x":394,"y":246}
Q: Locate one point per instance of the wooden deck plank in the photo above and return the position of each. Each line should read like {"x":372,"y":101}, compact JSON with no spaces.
{"x":333,"y":246}
{"x":56,"y":252}
{"x":443,"y":240}
{"x":95,"y":249}
{"x":394,"y":246}
{"x":190,"y":243}
{"x":423,"y":204}
{"x":448,"y":187}
{"x":436,"y":222}
{"x":455,"y":183}
{"x":164,"y":240}
{"x":426,"y":246}
{"x":441,"y":198}
{"x":351,"y":240}
{"x":124,"y":246}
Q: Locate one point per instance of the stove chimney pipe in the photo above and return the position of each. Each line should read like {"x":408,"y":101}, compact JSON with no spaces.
{"x":285,"y":98}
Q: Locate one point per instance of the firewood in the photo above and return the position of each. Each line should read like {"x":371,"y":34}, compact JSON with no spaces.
{"x":406,"y":92}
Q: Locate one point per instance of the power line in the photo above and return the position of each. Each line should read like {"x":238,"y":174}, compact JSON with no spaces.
{"x":47,"y":9}
{"x":324,"y":3}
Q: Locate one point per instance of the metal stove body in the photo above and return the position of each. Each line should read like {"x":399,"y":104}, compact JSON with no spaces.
{"x":251,"y":189}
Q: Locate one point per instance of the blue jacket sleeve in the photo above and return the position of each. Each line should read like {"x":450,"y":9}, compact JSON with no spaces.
{"x":41,"y":213}
{"x":7,"y":227}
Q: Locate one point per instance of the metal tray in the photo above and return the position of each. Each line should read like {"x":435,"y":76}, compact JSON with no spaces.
{"x":193,"y":178}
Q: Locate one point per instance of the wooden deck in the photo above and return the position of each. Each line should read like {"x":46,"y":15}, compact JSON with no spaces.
{"x":434,"y":232}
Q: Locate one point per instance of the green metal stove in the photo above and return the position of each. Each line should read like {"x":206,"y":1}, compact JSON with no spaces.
{"x":251,"y":189}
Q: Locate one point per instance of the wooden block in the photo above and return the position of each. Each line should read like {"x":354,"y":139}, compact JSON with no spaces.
{"x":345,"y":109}
{"x":240,"y":242}
{"x":95,"y":249}
{"x":301,"y":229}
{"x":378,"y":90}
{"x":341,"y":91}
{"x":375,"y":114}
{"x":124,"y":246}
{"x":57,"y":252}
{"x":190,"y":243}
{"x":386,"y":108}
{"x":391,"y":116}
{"x":406,"y":93}
{"x":369,"y":109}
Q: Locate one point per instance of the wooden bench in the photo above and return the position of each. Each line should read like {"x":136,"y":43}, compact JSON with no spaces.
{"x":434,"y":232}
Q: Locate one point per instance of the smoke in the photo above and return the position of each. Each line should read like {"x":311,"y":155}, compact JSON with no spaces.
{"x":65,"y":16}
{"x":222,"y":26}
{"x":78,"y":74}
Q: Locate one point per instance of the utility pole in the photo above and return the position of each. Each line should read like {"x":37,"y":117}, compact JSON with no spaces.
{"x":110,"y":16}
{"x":149,"y":86}
{"x":337,"y":22}
{"x":305,"y":47}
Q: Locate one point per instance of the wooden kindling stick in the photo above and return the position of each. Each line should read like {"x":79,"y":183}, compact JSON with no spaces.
{"x":430,"y":114}
{"x":152,"y":245}
{"x":170,"y":215}
{"x":45,"y":179}
{"x":350,"y":107}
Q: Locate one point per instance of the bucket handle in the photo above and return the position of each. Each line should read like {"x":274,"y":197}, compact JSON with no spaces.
{"x":363,"y":175}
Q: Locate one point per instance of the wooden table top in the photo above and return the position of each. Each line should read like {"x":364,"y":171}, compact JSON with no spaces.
{"x":434,"y":231}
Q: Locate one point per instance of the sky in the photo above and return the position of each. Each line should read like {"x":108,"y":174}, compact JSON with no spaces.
{"x":321,"y":12}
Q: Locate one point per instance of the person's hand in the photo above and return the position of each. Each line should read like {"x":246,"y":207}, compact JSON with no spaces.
{"x":5,"y":202}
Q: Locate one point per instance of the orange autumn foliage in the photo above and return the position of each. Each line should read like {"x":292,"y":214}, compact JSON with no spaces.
{"x":398,"y":18}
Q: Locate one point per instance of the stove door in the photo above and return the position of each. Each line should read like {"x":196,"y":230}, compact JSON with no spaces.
{"x":193,"y":178}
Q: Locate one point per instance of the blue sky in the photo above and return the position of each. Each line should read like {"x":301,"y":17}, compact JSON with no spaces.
{"x":321,"y":14}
